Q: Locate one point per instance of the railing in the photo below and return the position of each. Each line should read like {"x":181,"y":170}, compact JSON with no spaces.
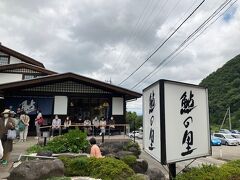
{"x":121,"y":129}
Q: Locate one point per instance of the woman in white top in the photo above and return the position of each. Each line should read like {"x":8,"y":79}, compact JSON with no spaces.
{"x":67,"y":124}
{"x":24,"y":118}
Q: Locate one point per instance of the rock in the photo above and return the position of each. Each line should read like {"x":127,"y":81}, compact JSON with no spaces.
{"x":112,"y":147}
{"x":105,"y":151}
{"x":46,"y":153}
{"x":135,"y":150}
{"x":141,"y":176}
{"x":155,"y":174}
{"x":141,"y":166}
{"x":122,"y":154}
{"x":37,"y":169}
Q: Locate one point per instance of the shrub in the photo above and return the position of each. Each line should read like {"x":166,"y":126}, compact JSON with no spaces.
{"x":129,"y":160}
{"x":230,"y":170}
{"x":76,"y":166}
{"x":35,"y":149}
{"x":110,"y":168}
{"x":74,"y":141}
{"x":133,"y":147}
{"x":104,"y":168}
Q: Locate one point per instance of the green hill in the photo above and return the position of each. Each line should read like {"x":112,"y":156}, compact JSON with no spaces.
{"x":224,"y":91}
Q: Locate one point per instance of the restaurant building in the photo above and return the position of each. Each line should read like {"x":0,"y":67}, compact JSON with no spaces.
{"x":25,"y":83}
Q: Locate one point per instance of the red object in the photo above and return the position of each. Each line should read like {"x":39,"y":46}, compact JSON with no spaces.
{"x":40,"y":121}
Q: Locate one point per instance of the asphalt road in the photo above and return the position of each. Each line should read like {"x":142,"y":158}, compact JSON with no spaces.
{"x":220,"y":155}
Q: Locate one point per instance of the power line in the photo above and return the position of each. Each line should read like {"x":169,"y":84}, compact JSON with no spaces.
{"x":141,"y":28}
{"x":164,"y":42}
{"x":180,"y":19}
{"x":186,"y":40}
{"x":216,"y":12}
{"x":193,"y":39}
{"x":150,"y":26}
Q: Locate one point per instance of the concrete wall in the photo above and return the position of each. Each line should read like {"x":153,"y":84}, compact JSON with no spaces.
{"x":8,"y":77}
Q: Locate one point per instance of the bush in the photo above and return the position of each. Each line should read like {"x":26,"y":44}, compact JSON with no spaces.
{"x":129,"y":160}
{"x":133,"y":147}
{"x":76,"y":166}
{"x":104,"y":168}
{"x":74,"y":141}
{"x":230,"y":170}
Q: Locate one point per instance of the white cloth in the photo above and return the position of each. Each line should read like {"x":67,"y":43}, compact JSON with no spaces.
{"x":56,"y":123}
{"x":5,"y":122}
{"x":67,"y":124}
{"x":102,"y":124}
{"x":1,"y":150}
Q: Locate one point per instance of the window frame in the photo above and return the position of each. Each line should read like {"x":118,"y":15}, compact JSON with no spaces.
{"x":8,"y":59}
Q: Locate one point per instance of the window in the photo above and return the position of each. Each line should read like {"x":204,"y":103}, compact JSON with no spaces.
{"x":4,"y":59}
{"x":28,"y":76}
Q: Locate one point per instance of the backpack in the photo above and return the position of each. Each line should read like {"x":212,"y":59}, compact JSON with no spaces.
{"x":40,"y":121}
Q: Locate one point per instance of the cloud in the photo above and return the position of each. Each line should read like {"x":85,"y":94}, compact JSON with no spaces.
{"x":109,"y":39}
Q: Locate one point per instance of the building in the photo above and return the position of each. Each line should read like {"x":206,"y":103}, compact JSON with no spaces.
{"x":26,"y":83}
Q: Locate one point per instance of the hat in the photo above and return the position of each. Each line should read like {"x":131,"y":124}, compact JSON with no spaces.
{"x":6,"y":111}
{"x":12,"y":112}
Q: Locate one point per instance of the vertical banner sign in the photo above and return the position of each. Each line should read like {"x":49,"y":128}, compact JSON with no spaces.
{"x":151,"y":122}
{"x":186,"y":121}
{"x":176,"y":121}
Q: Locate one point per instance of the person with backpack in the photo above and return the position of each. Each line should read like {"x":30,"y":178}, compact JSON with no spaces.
{"x":38,"y":123}
{"x":6,"y":124}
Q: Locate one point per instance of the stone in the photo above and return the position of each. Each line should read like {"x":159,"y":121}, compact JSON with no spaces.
{"x":141,"y":166}
{"x":37,"y":169}
{"x":46,"y":153}
{"x":141,"y":176}
{"x":135,"y":150}
{"x":122,"y":154}
{"x":155,"y":174}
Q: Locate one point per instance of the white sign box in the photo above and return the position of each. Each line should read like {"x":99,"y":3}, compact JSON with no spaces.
{"x":184,"y":121}
{"x":151,"y":121}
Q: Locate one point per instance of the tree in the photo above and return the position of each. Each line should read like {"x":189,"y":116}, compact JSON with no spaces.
{"x":131,"y":117}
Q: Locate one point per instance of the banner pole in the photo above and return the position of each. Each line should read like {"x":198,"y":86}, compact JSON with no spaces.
{"x":172,"y":171}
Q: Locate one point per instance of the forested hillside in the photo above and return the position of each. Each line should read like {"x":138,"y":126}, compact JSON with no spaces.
{"x":224,"y":91}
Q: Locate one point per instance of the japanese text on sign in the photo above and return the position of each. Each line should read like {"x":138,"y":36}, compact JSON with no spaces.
{"x":187,"y":105}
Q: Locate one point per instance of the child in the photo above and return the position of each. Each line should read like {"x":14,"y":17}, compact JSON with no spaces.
{"x":95,"y":150}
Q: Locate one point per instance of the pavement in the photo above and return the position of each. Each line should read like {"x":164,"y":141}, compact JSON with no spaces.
{"x":18,"y":148}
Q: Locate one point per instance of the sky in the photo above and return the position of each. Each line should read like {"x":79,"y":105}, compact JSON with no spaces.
{"x":108,"y":39}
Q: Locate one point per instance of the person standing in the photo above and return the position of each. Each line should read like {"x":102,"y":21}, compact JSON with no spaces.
{"x":95,"y":123}
{"x":56,"y":125}
{"x":111,"y":124}
{"x":38,"y":124}
{"x":102,"y":124}
{"x":24,"y":118}
{"x":6,"y":123}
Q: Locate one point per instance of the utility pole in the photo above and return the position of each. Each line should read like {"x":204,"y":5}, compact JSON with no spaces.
{"x":229,"y":116}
